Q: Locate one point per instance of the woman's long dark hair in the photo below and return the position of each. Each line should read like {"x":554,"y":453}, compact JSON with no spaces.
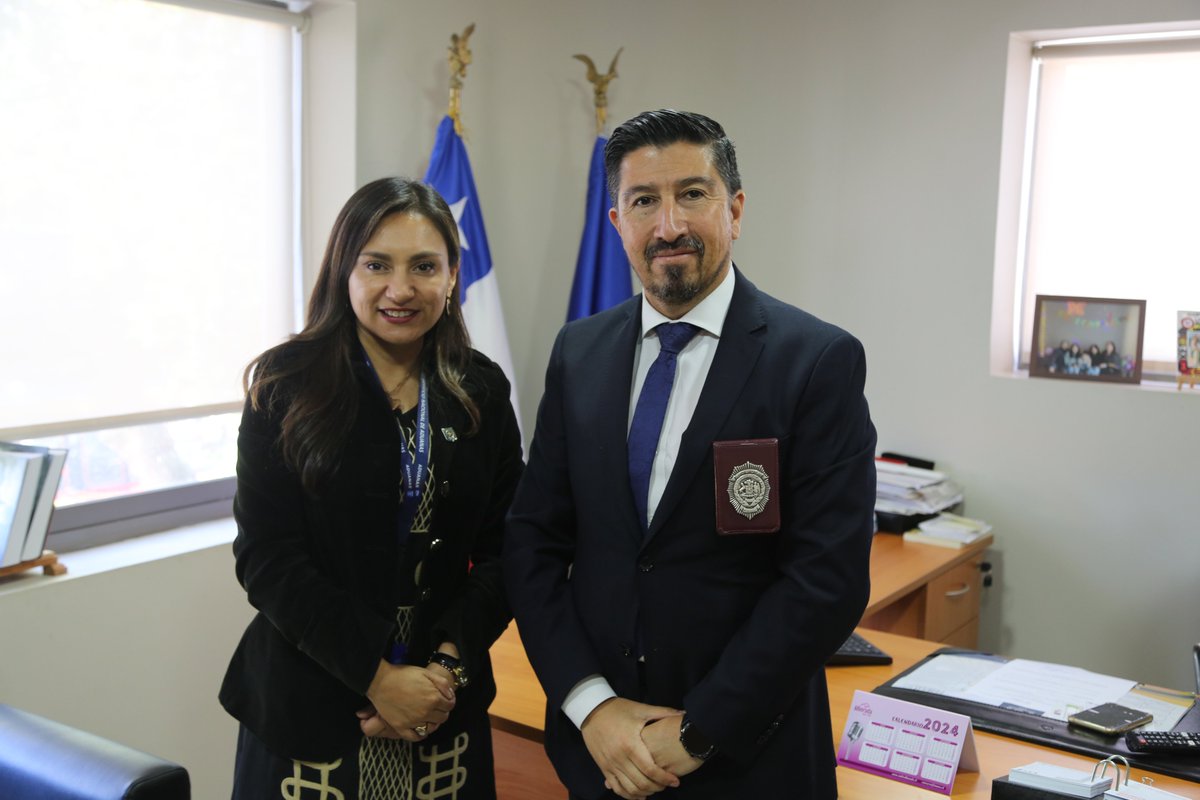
{"x":318,"y":415}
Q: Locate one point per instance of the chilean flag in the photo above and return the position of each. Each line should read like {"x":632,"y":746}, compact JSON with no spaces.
{"x":450,"y":173}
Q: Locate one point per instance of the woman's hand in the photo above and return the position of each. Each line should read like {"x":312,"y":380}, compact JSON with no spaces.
{"x":373,"y":725}
{"x":405,"y":698}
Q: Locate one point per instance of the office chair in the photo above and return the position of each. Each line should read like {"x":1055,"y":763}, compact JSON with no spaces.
{"x":46,"y":760}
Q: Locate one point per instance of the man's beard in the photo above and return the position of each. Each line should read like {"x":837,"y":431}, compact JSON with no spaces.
{"x":674,"y":288}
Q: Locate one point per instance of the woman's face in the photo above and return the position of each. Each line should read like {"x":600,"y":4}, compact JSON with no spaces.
{"x":399,"y":284}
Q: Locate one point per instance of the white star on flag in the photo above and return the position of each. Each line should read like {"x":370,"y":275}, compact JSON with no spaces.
{"x":457,"y":210}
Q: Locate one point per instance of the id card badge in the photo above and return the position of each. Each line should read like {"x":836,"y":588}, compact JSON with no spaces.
{"x":747,"y":486}
{"x":907,"y":742}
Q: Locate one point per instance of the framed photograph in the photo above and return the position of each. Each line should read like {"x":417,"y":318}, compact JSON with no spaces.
{"x":1087,"y":339}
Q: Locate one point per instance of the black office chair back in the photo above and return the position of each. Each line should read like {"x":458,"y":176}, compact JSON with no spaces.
{"x":46,"y":760}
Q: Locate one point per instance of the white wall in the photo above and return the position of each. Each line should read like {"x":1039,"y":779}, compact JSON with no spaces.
{"x":135,"y":654}
{"x":869,"y":141}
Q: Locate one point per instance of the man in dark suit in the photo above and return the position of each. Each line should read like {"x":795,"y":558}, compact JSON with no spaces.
{"x":678,"y":607}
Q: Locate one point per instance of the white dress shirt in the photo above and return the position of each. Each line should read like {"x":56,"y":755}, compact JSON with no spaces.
{"x":691,"y":370}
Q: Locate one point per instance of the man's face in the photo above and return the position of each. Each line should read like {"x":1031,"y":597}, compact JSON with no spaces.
{"x":677,"y":222}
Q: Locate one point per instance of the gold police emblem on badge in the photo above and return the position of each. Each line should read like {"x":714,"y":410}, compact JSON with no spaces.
{"x":749,"y":489}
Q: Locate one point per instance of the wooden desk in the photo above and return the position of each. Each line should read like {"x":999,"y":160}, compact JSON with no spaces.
{"x":520,"y":704}
{"x":520,"y":708}
{"x":926,"y":591}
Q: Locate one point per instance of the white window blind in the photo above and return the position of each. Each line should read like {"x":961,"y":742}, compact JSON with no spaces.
{"x":1114,"y":182}
{"x":147,"y":229}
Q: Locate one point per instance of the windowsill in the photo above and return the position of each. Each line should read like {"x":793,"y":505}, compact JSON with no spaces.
{"x":128,"y":553}
{"x":1147,"y":384}
{"x":1171,"y":385}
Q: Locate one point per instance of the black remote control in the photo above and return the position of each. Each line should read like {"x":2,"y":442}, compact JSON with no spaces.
{"x":1172,"y":742}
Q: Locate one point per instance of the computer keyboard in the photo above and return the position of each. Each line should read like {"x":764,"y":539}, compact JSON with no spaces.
{"x":857,"y":650}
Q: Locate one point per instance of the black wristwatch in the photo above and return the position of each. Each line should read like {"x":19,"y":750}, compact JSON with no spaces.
{"x":694,"y":742}
{"x":451,"y":665}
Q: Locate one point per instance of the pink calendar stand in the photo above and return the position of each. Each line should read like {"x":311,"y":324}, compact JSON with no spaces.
{"x":907,"y":742}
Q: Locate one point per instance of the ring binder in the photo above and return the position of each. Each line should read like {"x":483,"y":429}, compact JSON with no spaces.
{"x":1102,"y":765}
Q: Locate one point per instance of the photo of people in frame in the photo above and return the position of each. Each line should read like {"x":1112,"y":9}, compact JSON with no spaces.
{"x":1087,"y":338}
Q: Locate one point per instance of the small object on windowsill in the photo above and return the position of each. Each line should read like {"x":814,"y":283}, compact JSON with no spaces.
{"x":1188,"y":340}
{"x":48,"y":561}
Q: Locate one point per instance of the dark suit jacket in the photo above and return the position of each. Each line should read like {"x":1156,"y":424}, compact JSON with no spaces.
{"x":734,"y":629}
{"x":323,"y":570}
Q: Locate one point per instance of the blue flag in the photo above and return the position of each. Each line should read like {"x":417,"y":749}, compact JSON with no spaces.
{"x":602,"y":271}
{"x":450,"y":173}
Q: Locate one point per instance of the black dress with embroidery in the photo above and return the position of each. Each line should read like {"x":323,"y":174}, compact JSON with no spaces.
{"x":453,"y":763}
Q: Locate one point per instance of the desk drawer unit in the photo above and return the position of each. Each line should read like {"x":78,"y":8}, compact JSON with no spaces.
{"x":952,"y":605}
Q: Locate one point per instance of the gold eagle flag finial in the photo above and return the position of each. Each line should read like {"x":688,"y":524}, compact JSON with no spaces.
{"x":600,"y":86}
{"x":460,"y":57}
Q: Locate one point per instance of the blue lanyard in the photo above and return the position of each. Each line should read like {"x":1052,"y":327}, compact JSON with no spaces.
{"x":416,"y":463}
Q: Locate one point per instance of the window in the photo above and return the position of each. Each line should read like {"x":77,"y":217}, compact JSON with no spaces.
{"x":148,"y":228}
{"x":1099,"y":181}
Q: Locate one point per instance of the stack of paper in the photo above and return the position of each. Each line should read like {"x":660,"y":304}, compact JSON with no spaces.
{"x":901,"y":489}
{"x":949,"y":530}
{"x":28,"y":482}
{"x":1071,"y":782}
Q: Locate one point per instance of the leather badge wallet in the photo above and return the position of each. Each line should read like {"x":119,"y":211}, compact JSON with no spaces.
{"x":747,"y":486}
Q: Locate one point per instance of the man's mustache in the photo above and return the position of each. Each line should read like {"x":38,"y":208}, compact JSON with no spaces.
{"x":682,"y":243}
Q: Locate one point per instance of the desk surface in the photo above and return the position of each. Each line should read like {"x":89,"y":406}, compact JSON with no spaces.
{"x":520,"y":706}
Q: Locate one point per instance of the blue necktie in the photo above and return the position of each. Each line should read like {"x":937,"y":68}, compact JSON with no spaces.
{"x":650,"y":410}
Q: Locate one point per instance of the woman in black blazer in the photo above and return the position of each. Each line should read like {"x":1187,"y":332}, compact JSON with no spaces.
{"x":377,"y":456}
